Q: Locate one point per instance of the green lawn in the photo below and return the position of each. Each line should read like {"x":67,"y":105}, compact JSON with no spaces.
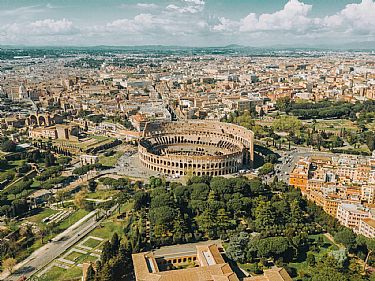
{"x":110,"y":161}
{"x":107,"y":229}
{"x":72,"y":219}
{"x":86,"y":258}
{"x":42,"y":215}
{"x":73,"y":256}
{"x":92,"y":243}
{"x":249,"y":267}
{"x":102,"y":194}
{"x":335,"y":125}
{"x":127,"y":207}
{"x":59,"y":274}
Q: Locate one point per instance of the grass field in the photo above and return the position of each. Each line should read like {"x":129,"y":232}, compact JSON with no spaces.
{"x":57,"y":273}
{"x":37,"y":218}
{"x":73,"y":256}
{"x":86,"y":258}
{"x":73,"y":218}
{"x":92,"y":243}
{"x":102,"y":194}
{"x":107,"y":229}
{"x":110,"y":161}
{"x":335,"y":125}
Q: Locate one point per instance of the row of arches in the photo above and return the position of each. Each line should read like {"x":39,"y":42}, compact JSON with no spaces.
{"x":169,"y":171}
{"x":202,"y":168}
{"x":234,"y":161}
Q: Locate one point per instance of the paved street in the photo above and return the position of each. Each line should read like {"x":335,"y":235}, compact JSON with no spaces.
{"x":289,"y":158}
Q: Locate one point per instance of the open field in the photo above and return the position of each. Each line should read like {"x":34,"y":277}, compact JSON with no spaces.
{"x":102,"y":194}
{"x":110,"y":161}
{"x":57,"y":273}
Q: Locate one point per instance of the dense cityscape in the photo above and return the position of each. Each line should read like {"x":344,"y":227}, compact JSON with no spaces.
{"x":127,"y":154}
{"x":259,"y":164}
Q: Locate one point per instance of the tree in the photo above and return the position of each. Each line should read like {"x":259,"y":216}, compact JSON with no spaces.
{"x":107,"y":252}
{"x":63,"y":160}
{"x":271,"y":158}
{"x":141,"y":199}
{"x":283,"y":104}
{"x":310,"y":259}
{"x":60,"y":196}
{"x":115,"y":242}
{"x":9,"y":264}
{"x":90,"y":274}
{"x":79,"y":199}
{"x":327,"y":270}
{"x":49,"y":160}
{"x":237,"y":247}
{"x":266,"y":169}
{"x":273,"y":247}
{"x":207,"y":223}
{"x":8,"y":146}
{"x":3,"y":163}
{"x":92,"y":185}
{"x":264,"y":215}
{"x":287,"y":124}
{"x":347,"y":237}
{"x":162,"y":218}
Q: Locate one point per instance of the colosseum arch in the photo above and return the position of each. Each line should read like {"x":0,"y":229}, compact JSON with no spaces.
{"x":42,"y":121}
{"x":33,"y":120}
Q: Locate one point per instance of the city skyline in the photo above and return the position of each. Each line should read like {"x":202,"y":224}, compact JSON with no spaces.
{"x":187,"y":23}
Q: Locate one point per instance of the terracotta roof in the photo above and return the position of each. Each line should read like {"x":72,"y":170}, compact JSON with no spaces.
{"x":212,"y":266}
{"x":274,"y":274}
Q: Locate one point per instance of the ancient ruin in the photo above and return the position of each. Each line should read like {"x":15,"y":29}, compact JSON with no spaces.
{"x":202,"y":148}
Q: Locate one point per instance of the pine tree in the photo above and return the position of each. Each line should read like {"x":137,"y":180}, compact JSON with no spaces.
{"x":90,"y":275}
{"x":115,"y":242}
{"x":106,"y":252}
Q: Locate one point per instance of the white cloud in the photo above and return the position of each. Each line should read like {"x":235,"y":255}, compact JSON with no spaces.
{"x":47,"y":27}
{"x":138,"y":24}
{"x":52,"y":27}
{"x":23,"y":11}
{"x":226,"y":25}
{"x":353,"y":18}
{"x":185,"y":21}
{"x":183,"y":10}
{"x":294,"y":18}
{"x":147,"y":5}
{"x":196,"y":2}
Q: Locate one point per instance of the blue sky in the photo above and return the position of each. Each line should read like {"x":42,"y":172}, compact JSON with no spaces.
{"x":186,"y":22}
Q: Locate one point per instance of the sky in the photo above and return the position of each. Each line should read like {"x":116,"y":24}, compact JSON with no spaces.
{"x":258,"y":23}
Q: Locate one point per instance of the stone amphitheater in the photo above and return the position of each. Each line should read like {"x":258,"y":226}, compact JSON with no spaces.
{"x":202,"y":148}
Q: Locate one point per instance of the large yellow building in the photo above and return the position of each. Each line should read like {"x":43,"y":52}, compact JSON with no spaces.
{"x":193,"y":262}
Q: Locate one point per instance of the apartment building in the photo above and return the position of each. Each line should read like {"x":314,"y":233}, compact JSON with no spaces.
{"x":350,"y":215}
{"x":367,"y":227}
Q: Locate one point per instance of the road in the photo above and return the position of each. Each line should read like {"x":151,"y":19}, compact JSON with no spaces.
{"x":288,"y":160}
{"x":52,"y":250}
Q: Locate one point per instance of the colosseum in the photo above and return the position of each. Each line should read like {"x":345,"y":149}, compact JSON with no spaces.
{"x":199,"y":147}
